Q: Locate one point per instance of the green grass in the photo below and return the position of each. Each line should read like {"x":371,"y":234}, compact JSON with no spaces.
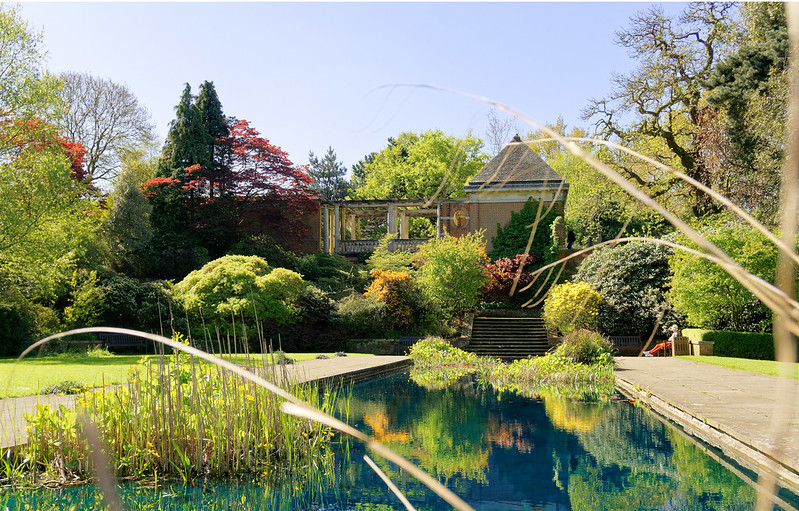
{"x":768,"y":367}
{"x":32,"y":374}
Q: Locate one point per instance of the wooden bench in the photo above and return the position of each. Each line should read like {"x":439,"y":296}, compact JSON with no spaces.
{"x":112,"y":341}
{"x":625,"y":341}
{"x":681,"y":346}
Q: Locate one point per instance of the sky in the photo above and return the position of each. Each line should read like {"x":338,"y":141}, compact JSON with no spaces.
{"x":309,"y":76}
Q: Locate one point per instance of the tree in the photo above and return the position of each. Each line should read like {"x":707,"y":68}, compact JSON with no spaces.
{"x":127,"y":227}
{"x":106,"y":118}
{"x":209,"y":110}
{"x":707,"y":295}
{"x":632,"y":280}
{"x":742,"y":132}
{"x":328,"y":175}
{"x":663,"y":97}
{"x":187,"y":142}
{"x":499,"y":131}
{"x":596,"y":209}
{"x":452,"y":271}
{"x":430,"y":164}
{"x":25,"y":89}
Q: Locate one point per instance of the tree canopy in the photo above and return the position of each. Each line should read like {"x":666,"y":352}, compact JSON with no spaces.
{"x":106,"y":118}
{"x":328,"y":175}
{"x":657,"y":109}
{"x":412,"y":166}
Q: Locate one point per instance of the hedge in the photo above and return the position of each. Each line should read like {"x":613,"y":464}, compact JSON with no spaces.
{"x":749,"y":345}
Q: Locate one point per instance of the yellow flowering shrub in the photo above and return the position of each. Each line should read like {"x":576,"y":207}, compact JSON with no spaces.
{"x":570,"y":306}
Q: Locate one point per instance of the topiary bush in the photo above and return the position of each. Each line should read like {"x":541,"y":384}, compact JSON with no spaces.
{"x":632,"y":280}
{"x":570,"y":306}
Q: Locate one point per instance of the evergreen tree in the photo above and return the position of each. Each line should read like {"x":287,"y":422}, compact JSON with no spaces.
{"x":328,"y":174}
{"x":209,"y":110}
{"x":127,"y":227}
{"x":187,"y":142}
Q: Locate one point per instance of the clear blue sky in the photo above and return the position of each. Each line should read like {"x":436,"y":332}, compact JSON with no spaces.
{"x":313,"y":75}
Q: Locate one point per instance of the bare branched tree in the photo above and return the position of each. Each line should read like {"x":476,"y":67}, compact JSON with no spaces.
{"x":106,"y":118}
{"x":499,"y":132}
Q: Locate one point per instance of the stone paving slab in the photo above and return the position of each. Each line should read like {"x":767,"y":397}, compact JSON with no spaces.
{"x":333,"y":370}
{"x":753,"y":415}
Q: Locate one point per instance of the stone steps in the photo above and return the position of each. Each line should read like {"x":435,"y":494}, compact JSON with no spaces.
{"x":508,"y":338}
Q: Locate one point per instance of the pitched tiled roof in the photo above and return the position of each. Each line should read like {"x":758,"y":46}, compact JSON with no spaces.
{"x":516,"y":166}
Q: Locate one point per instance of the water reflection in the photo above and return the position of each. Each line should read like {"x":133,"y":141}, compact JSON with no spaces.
{"x":498,"y":450}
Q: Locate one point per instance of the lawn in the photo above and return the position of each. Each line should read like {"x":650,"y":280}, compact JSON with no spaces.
{"x":34,"y":373}
{"x":756,"y":366}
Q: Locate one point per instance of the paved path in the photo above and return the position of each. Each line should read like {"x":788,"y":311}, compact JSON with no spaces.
{"x":333,"y":370}
{"x":735,"y":410}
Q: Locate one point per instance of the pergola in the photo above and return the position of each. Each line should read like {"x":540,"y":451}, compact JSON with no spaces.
{"x":342,"y":217}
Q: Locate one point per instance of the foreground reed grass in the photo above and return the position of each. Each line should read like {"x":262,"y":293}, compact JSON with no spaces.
{"x":178,"y":418}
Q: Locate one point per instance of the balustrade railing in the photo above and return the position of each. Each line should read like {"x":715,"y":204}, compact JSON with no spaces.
{"x":362,"y":246}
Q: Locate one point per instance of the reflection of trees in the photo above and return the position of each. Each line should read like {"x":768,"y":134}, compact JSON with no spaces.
{"x":570,"y":416}
{"x":443,"y":430}
{"x":441,"y":377}
{"x":702,"y":478}
{"x":638,"y":462}
{"x":594,"y":487}
{"x":630,"y":438}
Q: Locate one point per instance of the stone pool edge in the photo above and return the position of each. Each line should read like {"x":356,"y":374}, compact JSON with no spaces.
{"x":735,"y":445}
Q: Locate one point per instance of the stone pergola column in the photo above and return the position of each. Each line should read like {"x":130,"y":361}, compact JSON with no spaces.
{"x":403,"y":226}
{"x":325,"y":235}
{"x":351,"y":226}
{"x":336,"y":228}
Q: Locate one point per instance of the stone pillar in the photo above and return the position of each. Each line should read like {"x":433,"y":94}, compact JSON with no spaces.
{"x":336,"y":228}
{"x":351,"y":227}
{"x":403,"y":226}
{"x":325,"y":230}
{"x":391,"y":219}
{"x":438,"y":221}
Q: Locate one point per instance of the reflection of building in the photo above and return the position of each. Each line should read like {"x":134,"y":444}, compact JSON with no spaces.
{"x":501,"y":187}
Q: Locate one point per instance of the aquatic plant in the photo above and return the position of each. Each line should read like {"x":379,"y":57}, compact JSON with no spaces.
{"x":179,"y":417}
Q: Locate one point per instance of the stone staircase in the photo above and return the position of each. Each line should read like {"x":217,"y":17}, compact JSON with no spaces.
{"x":508,"y":338}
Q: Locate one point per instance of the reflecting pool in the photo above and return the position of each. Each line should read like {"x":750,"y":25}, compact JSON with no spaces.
{"x":496,"y":450}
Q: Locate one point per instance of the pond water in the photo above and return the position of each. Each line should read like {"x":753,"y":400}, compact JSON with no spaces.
{"x":495,"y":450}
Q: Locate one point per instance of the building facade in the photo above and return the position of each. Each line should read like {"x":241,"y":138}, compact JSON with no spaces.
{"x":503,"y":186}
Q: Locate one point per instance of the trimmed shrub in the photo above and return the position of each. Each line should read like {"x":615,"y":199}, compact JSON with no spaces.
{"x":755,"y":346}
{"x":570,"y":306}
{"x":631,"y":278}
